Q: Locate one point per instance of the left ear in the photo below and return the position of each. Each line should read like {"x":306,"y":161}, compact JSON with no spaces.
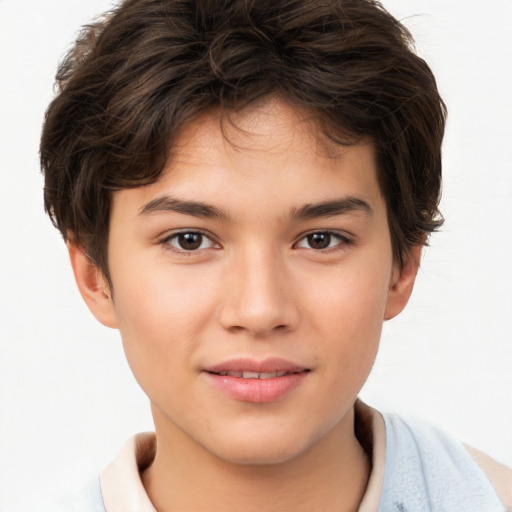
{"x":402,"y":283}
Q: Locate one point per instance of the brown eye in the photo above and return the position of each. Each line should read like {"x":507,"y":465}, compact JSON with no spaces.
{"x":319,"y":240}
{"x":189,"y":241}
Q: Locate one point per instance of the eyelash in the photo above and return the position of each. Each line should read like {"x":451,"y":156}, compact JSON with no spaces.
{"x":343,"y":242}
{"x":167,"y":242}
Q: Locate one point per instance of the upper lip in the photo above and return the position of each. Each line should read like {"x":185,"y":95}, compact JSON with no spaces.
{"x":268,"y":365}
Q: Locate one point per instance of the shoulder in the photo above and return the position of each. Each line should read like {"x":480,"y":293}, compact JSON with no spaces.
{"x":428,"y":469}
{"x":499,"y":475}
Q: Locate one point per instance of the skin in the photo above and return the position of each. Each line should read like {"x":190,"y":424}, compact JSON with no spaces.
{"x":256,"y":287}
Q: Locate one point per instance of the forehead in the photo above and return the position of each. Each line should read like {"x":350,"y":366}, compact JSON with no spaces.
{"x":269,"y":154}
{"x":269,"y":127}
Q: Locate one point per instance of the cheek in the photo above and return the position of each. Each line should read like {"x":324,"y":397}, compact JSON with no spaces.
{"x":155,"y":297}
{"x":160,"y":316}
{"x":349,"y":315}
{"x":352,"y":299}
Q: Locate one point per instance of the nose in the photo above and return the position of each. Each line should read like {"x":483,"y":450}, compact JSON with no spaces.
{"x":257,"y":297}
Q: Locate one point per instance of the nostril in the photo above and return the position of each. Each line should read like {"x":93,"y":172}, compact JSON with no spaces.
{"x":235,"y":328}
{"x":257,"y":314}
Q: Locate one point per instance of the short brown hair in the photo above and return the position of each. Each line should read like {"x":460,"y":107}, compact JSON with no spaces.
{"x":150,"y":66}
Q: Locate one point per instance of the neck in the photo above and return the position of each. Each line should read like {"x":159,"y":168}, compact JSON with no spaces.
{"x":332,"y":474}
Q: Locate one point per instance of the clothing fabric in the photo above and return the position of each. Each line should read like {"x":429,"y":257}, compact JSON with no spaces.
{"x":415,"y":468}
{"x":426,"y":470}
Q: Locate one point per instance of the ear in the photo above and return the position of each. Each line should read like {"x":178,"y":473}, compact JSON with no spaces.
{"x":92,"y":285}
{"x":402,"y":283}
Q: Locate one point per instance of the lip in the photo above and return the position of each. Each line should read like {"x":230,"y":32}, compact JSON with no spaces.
{"x":256,"y":390}
{"x":269,"y":365}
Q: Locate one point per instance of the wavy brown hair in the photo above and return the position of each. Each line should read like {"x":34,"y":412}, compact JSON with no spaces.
{"x":137,"y":75}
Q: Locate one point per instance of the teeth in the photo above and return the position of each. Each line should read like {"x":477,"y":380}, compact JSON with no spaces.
{"x":250,"y":375}
{"x":253,"y":375}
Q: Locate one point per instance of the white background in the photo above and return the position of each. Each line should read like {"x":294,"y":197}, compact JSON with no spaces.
{"x":67,"y":397}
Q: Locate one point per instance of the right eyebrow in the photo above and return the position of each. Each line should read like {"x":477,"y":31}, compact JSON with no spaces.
{"x":195,"y":208}
{"x":333,"y":207}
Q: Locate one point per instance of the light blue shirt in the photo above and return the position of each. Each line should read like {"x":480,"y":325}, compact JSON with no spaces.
{"x":425,"y":471}
{"x":428,"y":471}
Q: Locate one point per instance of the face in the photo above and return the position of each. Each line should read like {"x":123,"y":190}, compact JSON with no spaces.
{"x":250,"y":284}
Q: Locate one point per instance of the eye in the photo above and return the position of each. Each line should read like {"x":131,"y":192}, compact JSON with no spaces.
{"x":322,"y":240}
{"x":189,"y":241}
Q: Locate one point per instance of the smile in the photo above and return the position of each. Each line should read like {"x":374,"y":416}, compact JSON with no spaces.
{"x":253,"y":375}
{"x":257,"y":382}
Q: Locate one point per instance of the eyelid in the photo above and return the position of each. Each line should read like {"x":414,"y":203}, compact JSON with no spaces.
{"x":345,"y":239}
{"x":165,"y":240}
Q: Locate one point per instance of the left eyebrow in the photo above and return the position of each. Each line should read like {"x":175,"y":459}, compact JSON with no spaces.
{"x":332,"y":208}
{"x":195,"y":208}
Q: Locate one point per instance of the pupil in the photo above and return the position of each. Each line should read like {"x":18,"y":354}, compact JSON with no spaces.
{"x":319,"y":240}
{"x":190,"y":241}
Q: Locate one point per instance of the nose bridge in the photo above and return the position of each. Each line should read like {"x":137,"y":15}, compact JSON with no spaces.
{"x":256,"y":298}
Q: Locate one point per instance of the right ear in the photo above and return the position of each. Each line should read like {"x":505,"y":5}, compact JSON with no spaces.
{"x":93,"y":286}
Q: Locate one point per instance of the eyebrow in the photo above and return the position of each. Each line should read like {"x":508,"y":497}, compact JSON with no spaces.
{"x":329,"y":208}
{"x":194,"y":208}
{"x":332,"y":208}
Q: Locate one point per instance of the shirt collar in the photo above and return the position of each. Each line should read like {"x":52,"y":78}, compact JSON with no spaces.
{"x":120,"y":481}
{"x":122,"y":488}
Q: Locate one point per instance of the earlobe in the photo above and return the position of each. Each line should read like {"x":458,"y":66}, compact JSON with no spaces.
{"x":92,"y":285}
{"x":402,"y":284}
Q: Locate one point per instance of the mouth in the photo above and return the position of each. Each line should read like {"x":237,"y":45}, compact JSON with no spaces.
{"x":257,"y":382}
{"x":255,"y":375}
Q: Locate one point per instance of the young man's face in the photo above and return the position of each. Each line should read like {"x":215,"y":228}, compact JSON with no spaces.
{"x":259,"y":253}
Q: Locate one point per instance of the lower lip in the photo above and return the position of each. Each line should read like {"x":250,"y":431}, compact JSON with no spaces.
{"x":258,"y":391}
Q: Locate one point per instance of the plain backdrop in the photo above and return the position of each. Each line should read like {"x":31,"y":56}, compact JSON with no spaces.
{"x":67,"y":397}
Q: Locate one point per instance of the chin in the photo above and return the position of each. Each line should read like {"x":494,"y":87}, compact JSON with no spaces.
{"x":258,"y":457}
{"x":265,"y":450}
